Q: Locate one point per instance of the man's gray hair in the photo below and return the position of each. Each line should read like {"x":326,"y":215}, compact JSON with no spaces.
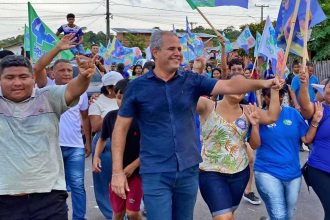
{"x":156,"y":39}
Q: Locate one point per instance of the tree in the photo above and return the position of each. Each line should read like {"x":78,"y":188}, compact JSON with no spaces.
{"x":136,"y":41}
{"x":320,"y":38}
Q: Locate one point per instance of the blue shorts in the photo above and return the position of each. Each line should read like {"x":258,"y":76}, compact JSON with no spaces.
{"x":223,"y":192}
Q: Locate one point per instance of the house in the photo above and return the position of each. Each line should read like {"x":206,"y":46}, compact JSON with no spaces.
{"x":122,"y":33}
{"x":16,"y":48}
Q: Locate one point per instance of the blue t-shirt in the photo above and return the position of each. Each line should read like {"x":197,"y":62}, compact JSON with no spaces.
{"x":320,"y":156}
{"x":278,"y":153}
{"x":166,"y":114}
{"x":295,"y":86}
{"x":250,"y":97}
{"x":68,"y":30}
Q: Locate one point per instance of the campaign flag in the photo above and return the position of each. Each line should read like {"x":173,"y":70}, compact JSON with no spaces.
{"x":42,"y":39}
{"x":190,"y":36}
{"x":214,"y":3}
{"x":26,"y":44}
{"x":245,"y":40}
{"x":268,"y":44}
{"x":319,"y":88}
{"x":228,"y":47}
{"x":186,"y":53}
{"x":102,"y":49}
{"x":280,"y":62}
{"x":120,"y":54}
{"x":285,"y":16}
{"x":257,"y":46}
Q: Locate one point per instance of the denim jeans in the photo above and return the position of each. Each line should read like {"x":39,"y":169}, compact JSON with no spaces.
{"x":280,"y":197}
{"x":170,"y":195}
{"x":74,"y":167}
{"x":102,"y":180}
{"x":79,"y":49}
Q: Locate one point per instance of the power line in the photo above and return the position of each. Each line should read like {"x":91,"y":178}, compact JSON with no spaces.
{"x":262,"y":10}
{"x":49,"y":3}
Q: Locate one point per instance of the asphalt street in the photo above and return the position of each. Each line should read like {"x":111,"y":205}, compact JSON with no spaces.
{"x":309,"y":207}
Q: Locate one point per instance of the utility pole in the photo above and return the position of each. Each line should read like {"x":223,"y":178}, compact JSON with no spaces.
{"x":262,"y":10}
{"x":108,"y":19}
{"x":192,"y":25}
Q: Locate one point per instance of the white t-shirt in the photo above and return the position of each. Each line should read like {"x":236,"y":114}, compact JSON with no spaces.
{"x":102,"y":106}
{"x":70,"y":124}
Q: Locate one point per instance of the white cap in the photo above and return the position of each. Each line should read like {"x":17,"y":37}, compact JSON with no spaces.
{"x":111,"y":78}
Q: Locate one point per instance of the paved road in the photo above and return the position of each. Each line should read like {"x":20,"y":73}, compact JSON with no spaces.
{"x":309,"y":207}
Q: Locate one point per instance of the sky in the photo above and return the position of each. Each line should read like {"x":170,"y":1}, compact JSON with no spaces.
{"x":127,"y":14}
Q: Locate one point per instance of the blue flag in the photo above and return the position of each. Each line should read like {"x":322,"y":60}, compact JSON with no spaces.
{"x":268,"y":45}
{"x":189,"y":37}
{"x":120,"y":54}
{"x":257,"y":46}
{"x":245,"y":40}
{"x":283,"y":24}
{"x":228,"y":47}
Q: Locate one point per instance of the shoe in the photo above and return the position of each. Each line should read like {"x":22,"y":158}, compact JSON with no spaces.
{"x":251,"y":198}
{"x":263,"y":218}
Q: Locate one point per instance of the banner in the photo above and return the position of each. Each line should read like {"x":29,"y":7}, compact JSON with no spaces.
{"x":42,"y":39}
{"x":245,"y":40}
{"x":283,"y":24}
{"x":257,"y":45}
{"x":214,"y":3}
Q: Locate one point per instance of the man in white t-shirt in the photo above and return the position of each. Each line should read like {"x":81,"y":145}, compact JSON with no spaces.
{"x":70,"y":135}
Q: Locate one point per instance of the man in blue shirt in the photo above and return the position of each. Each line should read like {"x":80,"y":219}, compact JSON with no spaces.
{"x":295,"y":86}
{"x":163,"y":101}
{"x":69,"y":28}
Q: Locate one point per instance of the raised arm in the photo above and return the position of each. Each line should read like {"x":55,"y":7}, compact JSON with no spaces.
{"x":239,"y":84}
{"x":79,"y":85}
{"x":223,"y":57}
{"x":306,"y":106}
{"x":318,"y":115}
{"x":252,"y":113}
{"x":271,"y":115}
{"x":40,"y":67}
{"x":119,"y":181}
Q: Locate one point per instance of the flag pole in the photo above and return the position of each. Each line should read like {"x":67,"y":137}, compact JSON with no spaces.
{"x":215,"y":30}
{"x":254,"y":65}
{"x":305,"y":52}
{"x":289,"y":41}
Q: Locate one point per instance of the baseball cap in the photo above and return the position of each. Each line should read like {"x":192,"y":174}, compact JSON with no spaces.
{"x":111,"y":78}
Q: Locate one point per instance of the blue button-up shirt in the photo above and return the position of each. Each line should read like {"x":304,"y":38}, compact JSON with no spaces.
{"x":166,"y":115}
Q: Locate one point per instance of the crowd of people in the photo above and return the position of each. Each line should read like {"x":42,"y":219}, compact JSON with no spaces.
{"x":158,"y":132}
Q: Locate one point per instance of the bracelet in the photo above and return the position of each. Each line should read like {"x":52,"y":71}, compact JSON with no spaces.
{"x":315,"y":126}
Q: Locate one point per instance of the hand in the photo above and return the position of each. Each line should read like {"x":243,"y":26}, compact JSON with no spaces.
{"x":129,"y":170}
{"x":88,"y":150}
{"x":87,"y":67}
{"x":318,"y":114}
{"x":252,"y":114}
{"x":303,"y":76}
{"x":277,"y":83}
{"x":119,"y":184}
{"x":93,"y":98}
{"x":96,"y":164}
{"x":67,"y":42}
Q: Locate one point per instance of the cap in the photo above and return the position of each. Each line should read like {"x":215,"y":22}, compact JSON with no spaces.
{"x":111,"y":78}
{"x":250,"y":66}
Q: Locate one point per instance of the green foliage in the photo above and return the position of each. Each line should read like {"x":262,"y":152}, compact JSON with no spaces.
{"x":12,"y":41}
{"x":320,"y":39}
{"x":94,"y":38}
{"x":136,"y":41}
